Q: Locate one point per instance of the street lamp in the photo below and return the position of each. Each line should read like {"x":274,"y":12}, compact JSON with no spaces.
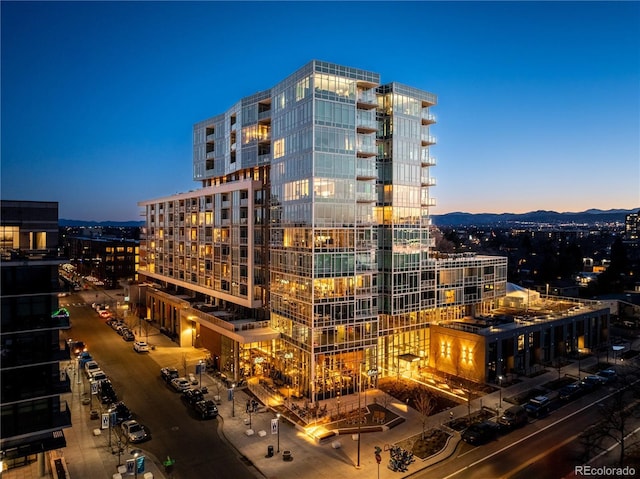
{"x":233,"y":400}
{"x":278,"y":417}
{"x":359,"y":416}
{"x":135,"y":464}
{"x":579,"y":351}
{"x":201,"y":362}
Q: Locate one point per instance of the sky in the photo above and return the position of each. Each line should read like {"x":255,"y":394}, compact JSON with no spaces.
{"x":538,"y":102}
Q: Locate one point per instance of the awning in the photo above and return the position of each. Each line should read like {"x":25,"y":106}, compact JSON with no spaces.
{"x":408,"y":357}
{"x":33,"y":444}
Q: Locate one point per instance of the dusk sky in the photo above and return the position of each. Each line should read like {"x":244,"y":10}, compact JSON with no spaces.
{"x":538,"y":103}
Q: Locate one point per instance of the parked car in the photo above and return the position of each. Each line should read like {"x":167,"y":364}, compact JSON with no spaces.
{"x":106,"y":392}
{"x":128,"y":335}
{"x":91,"y":366}
{"x":570,"y":392}
{"x":141,"y":347}
{"x":83,"y":358}
{"x":168,"y":374}
{"x":513,"y":417}
{"x":480,"y":433}
{"x":590,"y":383}
{"x":105,"y":314}
{"x":77,"y":347}
{"x":98,"y":376}
{"x":122,"y":412}
{"x":134,"y":431}
{"x":538,"y":406}
{"x":180,"y":384}
{"x":609,"y":375}
{"x":192,"y":379}
{"x":206,"y":409}
{"x":192,"y":396}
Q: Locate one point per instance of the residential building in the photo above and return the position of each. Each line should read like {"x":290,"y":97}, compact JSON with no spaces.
{"x":32,"y":411}
{"x":305,"y":257}
{"x":106,"y":258}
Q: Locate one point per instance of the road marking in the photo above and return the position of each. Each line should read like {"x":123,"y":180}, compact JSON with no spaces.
{"x":538,"y":457}
{"x":531,"y":435}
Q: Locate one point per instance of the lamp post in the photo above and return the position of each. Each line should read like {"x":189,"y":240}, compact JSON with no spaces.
{"x":135,"y":464}
{"x":359,"y":416}
{"x":579,"y":351}
{"x":233,"y":400}
{"x":201,"y":363}
{"x":278,"y":417}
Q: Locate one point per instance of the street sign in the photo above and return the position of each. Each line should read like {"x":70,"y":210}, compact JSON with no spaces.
{"x":105,"y":420}
{"x":274,"y":426}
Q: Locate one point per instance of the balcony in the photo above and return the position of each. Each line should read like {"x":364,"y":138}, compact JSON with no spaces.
{"x":427,"y":139}
{"x":210,"y":155}
{"x":366,"y":99}
{"x":426,"y":201}
{"x":264,"y":159}
{"x":366,"y":169}
{"x":427,"y":118}
{"x":426,"y":159}
{"x":366,"y":121}
{"x":426,"y":180}
{"x":211,"y":137}
{"x":366,"y":145}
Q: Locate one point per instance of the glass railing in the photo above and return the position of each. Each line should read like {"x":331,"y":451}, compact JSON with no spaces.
{"x":367,"y":96}
{"x":426,"y":115}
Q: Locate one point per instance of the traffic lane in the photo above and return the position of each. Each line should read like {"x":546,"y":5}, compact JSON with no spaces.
{"x":193,"y":443}
{"x":507,"y":454}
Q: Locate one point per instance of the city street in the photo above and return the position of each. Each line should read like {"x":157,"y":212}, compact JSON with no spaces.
{"x":193,"y":443}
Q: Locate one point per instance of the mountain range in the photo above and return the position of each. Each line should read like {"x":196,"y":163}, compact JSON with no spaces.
{"x":591,"y":217}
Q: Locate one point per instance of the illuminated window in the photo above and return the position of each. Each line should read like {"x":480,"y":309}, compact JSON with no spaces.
{"x":278,"y":148}
{"x":9,"y":237}
{"x":324,"y":188}
{"x":450,"y":296}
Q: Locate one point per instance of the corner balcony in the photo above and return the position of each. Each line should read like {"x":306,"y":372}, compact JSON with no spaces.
{"x":428,"y":118}
{"x":366,"y":99}
{"x":427,"y":139}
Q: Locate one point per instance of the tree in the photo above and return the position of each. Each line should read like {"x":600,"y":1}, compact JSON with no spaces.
{"x":425,"y":404}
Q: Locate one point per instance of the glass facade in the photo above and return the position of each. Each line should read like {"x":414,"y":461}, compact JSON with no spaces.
{"x":336,"y":251}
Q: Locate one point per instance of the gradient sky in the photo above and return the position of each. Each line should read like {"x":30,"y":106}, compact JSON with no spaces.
{"x":538,"y":103}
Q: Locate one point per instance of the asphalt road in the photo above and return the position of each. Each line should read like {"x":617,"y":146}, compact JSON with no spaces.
{"x":194,"y":444}
{"x":547,"y":447}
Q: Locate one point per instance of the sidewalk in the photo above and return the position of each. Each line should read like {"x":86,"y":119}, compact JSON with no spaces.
{"x":323,"y":461}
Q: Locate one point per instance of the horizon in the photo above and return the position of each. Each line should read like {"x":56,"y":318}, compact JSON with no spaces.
{"x":601,"y":211}
{"x":537,"y":101}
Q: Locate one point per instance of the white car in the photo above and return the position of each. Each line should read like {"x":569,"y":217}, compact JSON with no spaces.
{"x":141,"y":347}
{"x":90,"y":367}
{"x":134,"y":431}
{"x":192,"y":379}
{"x":98,"y":376}
{"x":180,"y":384}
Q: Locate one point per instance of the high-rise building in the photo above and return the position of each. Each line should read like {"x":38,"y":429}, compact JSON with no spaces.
{"x":33,"y":414}
{"x":306,"y":257}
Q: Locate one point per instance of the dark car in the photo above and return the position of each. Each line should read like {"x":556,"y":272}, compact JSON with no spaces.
{"x":192,"y":396}
{"x":570,"y":392}
{"x":167,"y":374}
{"x":480,"y":433}
{"x":538,"y":406}
{"x":77,"y":347}
{"x":128,"y":335}
{"x":206,"y":409}
{"x":106,"y":392}
{"x":513,"y":417}
{"x":590,"y":383}
{"x":122,"y":412}
{"x":608,"y":375}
